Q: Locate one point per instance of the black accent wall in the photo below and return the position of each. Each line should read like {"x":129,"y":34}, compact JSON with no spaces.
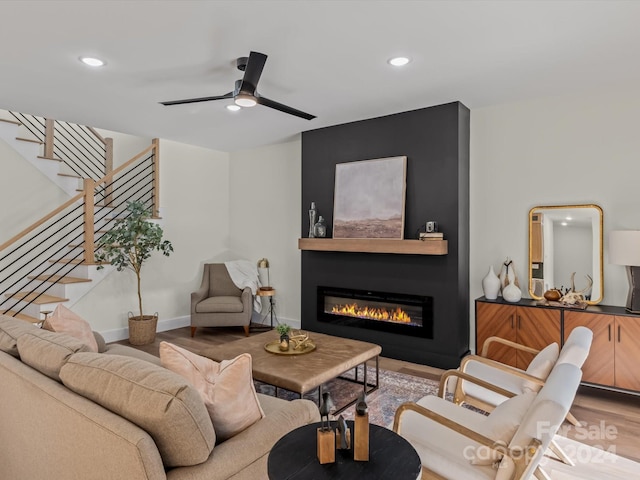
{"x":435,"y":141}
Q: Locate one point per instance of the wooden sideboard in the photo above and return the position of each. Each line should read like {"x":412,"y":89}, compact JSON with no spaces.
{"x":614,"y":354}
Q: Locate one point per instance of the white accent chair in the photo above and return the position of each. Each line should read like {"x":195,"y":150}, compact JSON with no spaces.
{"x":574,"y":351}
{"x":459,"y":444}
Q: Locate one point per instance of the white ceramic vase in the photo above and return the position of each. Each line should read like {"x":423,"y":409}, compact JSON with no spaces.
{"x":491,"y":285}
{"x":511,"y":293}
{"x":507,"y":273}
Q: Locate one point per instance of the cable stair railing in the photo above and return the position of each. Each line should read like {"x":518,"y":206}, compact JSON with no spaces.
{"x":38,"y":264}
{"x":81,"y":149}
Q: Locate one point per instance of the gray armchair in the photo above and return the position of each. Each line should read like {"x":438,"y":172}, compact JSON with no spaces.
{"x":218,"y":302}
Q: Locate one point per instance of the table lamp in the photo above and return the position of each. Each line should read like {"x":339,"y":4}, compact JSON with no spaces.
{"x":263,"y":265}
{"x":624,"y":249}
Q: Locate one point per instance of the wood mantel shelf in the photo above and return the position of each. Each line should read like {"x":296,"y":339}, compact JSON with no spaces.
{"x":374,"y":245}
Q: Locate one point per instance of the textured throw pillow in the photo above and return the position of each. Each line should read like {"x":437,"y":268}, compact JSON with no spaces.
{"x":541,"y":366}
{"x":501,"y":426}
{"x":10,"y":329}
{"x":63,"y":320}
{"x":48,"y":351}
{"x":157,"y":400}
{"x":226,"y":388}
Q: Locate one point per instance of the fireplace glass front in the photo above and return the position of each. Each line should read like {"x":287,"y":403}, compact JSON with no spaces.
{"x":391,"y":312}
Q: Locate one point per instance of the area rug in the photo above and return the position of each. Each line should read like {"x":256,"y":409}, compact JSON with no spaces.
{"x":395,"y":388}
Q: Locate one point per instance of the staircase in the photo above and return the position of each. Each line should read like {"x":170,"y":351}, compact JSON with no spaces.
{"x":53,"y":260}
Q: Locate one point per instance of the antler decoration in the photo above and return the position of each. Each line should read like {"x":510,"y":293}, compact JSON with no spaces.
{"x":572,"y":296}
{"x":300,"y":340}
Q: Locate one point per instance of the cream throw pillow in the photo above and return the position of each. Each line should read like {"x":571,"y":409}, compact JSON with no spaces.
{"x":63,"y":320}
{"x":226,"y":388}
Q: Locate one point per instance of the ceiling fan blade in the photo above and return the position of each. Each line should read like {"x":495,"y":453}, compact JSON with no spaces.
{"x":252,"y":72}
{"x":283,"y":108}
{"x":195,"y":100}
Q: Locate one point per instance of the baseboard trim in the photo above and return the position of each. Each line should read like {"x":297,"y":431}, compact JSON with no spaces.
{"x":118,"y":334}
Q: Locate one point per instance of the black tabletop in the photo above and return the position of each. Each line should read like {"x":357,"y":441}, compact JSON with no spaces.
{"x":294,"y":456}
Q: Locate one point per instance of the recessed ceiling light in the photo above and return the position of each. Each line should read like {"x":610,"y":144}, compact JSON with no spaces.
{"x":564,"y":224}
{"x":233,"y":108}
{"x":92,"y":62}
{"x":398,"y":61}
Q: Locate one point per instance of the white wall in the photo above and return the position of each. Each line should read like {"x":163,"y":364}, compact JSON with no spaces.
{"x":26,"y":193}
{"x":124,"y":146}
{"x":264,"y":199}
{"x":563,"y":150}
{"x":194,"y":190}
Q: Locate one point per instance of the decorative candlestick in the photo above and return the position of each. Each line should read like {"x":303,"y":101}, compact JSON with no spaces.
{"x":326,"y":449}
{"x":361,"y":431}
{"x":313,"y":213}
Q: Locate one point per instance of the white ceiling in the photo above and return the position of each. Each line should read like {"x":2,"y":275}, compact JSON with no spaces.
{"x":327,"y":58}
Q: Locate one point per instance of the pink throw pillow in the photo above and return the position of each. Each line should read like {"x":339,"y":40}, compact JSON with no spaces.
{"x":226,"y":388}
{"x":63,"y":320}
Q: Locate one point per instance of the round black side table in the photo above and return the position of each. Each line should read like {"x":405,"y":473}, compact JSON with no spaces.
{"x":390,"y":456}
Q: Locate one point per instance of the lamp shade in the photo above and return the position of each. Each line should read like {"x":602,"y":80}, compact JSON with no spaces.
{"x":624,"y":247}
{"x":263,"y":263}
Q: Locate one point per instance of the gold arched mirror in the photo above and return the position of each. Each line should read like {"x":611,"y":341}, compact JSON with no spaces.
{"x":564,"y":239}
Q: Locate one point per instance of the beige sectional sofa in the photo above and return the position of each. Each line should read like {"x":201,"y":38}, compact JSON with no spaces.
{"x":49,"y":431}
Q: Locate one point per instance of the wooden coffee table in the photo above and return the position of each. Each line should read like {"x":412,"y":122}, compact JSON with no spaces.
{"x":390,"y":457}
{"x":301,"y":374}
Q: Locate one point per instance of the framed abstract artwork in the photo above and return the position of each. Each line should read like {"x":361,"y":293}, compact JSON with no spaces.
{"x":369,"y":198}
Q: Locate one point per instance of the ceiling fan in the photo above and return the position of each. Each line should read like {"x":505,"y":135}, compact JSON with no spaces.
{"x":244,"y":94}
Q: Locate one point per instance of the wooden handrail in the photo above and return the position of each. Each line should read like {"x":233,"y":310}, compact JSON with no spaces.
{"x":88,"y":221}
{"x":40,"y":222}
{"x":109,"y":176}
{"x":98,"y":136}
{"x":48,"y":137}
{"x":88,"y":194}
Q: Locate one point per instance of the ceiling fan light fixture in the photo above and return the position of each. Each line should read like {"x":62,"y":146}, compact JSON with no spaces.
{"x":233,"y":107}
{"x":245,"y":100}
{"x":398,"y":61}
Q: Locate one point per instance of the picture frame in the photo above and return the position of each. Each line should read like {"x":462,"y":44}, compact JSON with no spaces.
{"x":369,"y":198}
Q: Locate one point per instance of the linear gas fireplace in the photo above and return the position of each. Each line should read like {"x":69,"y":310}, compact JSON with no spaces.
{"x":390,"y":312}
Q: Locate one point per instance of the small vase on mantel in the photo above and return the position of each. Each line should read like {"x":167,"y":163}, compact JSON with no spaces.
{"x":491,"y":285}
{"x":511,"y":293}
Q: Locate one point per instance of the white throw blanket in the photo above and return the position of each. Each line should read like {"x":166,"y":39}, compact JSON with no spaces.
{"x":244,"y":273}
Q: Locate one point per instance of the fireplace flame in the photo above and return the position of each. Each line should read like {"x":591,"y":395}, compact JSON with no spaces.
{"x":397,"y":315}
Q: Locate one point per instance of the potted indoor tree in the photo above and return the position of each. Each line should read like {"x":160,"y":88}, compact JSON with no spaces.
{"x":127,"y":245}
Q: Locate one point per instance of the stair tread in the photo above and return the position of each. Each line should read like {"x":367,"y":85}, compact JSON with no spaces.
{"x":76,"y":261}
{"x":62,"y":279}
{"x":6,"y":120}
{"x":72,"y":175}
{"x":31,"y":297}
{"x":30,"y":140}
{"x":22,"y":316}
{"x":49,"y":158}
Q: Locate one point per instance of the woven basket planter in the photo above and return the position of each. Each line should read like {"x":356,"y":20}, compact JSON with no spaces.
{"x":142,"y":330}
